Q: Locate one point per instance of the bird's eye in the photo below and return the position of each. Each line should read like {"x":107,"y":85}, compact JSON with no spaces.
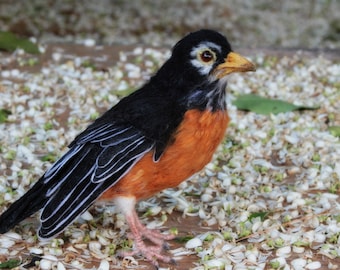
{"x":207,"y":56}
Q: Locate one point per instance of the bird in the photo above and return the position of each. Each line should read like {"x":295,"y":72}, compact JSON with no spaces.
{"x":153,"y":139}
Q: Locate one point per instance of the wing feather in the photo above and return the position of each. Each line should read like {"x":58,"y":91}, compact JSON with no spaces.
{"x":60,"y":164}
{"x":94,"y":163}
{"x":104,"y":171}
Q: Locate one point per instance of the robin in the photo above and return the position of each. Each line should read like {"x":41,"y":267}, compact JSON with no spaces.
{"x":153,"y":139}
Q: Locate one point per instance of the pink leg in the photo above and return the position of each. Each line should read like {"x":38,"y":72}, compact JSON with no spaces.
{"x":139,"y":232}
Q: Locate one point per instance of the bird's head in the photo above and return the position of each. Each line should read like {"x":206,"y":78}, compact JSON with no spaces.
{"x":208,"y":54}
{"x":199,"y":65}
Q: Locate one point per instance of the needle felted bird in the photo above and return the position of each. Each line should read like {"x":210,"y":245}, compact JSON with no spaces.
{"x":153,"y":139}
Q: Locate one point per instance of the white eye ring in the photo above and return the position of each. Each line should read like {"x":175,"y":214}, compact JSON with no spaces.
{"x":201,"y":57}
{"x":206,"y":56}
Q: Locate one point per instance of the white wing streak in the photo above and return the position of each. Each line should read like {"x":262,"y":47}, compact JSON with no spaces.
{"x":96,"y":161}
{"x":61,"y":162}
{"x":104,"y":172}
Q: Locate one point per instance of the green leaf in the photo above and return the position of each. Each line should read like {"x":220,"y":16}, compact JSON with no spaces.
{"x":4,"y":115}
{"x":124,"y":93}
{"x":50,"y":157}
{"x":261,"y":215}
{"x":266,"y":106}
{"x":10,"y":42}
{"x":335,"y":131}
{"x":183,"y":239}
{"x":10,"y":264}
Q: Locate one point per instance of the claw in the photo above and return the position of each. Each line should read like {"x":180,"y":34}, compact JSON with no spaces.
{"x":166,"y":246}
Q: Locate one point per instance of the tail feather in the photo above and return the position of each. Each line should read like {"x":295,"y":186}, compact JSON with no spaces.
{"x":36,"y":197}
{"x":28,"y":204}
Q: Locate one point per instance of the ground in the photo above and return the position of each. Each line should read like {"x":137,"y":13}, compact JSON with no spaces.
{"x":270,"y":197}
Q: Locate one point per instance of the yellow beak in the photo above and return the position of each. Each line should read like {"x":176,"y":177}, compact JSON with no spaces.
{"x":234,"y":63}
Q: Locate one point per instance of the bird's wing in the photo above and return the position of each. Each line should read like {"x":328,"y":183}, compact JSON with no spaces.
{"x":97,"y":159}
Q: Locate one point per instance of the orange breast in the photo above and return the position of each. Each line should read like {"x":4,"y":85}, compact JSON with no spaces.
{"x":195,"y":142}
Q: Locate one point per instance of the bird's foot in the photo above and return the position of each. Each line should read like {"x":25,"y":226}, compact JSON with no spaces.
{"x":151,"y":252}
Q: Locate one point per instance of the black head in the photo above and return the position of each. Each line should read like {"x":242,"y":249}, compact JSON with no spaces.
{"x":198,"y":65}
{"x":204,"y":54}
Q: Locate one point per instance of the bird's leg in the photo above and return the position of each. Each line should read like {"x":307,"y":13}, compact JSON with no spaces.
{"x":138,"y":231}
{"x":153,"y":235}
